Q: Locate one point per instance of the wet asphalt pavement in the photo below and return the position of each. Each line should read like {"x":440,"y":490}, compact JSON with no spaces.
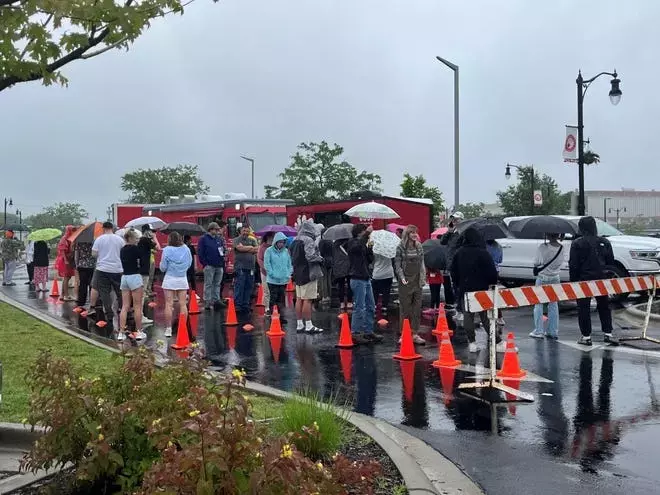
{"x":591,"y":429}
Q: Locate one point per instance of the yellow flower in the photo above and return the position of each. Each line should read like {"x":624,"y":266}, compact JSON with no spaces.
{"x":320,"y":466}
{"x":194,"y":345}
{"x":156,"y":422}
{"x":316,"y":426}
{"x":24,"y":420}
{"x":99,"y":427}
{"x":259,"y":440}
{"x":238,"y":374}
{"x":67,"y":383}
{"x":160,"y":343}
{"x":258,"y":455}
{"x":169,"y":444}
{"x":101,"y":437}
{"x":100,"y":402}
{"x":194,"y":413}
{"x":287,"y":452}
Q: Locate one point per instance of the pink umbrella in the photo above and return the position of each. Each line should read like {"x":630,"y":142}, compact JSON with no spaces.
{"x":393,"y":227}
{"x":437,"y":232}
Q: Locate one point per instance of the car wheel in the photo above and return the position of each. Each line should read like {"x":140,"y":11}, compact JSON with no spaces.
{"x":616,"y":271}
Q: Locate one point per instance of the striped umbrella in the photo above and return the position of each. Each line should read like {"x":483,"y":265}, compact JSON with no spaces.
{"x":87,"y":233}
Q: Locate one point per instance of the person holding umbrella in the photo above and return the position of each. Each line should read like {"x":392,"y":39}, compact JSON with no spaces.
{"x":411,"y":274}
{"x":450,"y":239}
{"x":550,"y":257}
{"x":40,"y":266}
{"x":64,"y":262}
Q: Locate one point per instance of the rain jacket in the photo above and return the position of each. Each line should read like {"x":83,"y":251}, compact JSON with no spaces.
{"x":496,"y":253}
{"x":10,"y":249}
{"x":208,"y":250}
{"x":175,"y":261}
{"x":360,"y":257}
{"x":64,"y":254}
{"x":341,"y":265}
{"x":473,"y":267}
{"x":305,"y":255}
{"x":589,"y":253}
{"x":451,"y":240}
{"x":277,"y":262}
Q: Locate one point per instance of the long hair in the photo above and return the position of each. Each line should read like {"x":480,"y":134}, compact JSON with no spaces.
{"x":174,"y":239}
{"x":407,"y":232}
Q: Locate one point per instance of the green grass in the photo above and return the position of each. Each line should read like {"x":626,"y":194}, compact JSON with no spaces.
{"x":21,"y":339}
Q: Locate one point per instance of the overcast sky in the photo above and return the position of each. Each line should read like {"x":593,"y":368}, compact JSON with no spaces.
{"x":258,"y":77}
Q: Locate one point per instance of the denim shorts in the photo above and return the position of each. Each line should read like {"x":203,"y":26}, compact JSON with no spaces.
{"x":131,"y":282}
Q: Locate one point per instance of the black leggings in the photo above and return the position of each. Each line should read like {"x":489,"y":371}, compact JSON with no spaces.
{"x":435,"y":295}
{"x":382,"y":288}
{"x":344,"y":289}
{"x":190,"y":274}
{"x":450,"y":298}
{"x":277,"y":296}
{"x":30,"y":270}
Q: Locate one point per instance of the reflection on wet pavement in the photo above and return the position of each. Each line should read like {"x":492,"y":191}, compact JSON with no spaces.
{"x":594,"y":410}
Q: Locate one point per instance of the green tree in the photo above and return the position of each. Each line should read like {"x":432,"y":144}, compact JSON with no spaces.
{"x":416,"y":187}
{"x":472,"y":210}
{"x":39,"y":37}
{"x":317,"y":173}
{"x":517,"y":199}
{"x":58,"y":216}
{"x":156,"y":185}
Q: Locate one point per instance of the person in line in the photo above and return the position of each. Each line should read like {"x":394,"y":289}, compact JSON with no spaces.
{"x":360,"y":256}
{"x":85,"y":264}
{"x":325,"y":283}
{"x":211,"y":254}
{"x":589,"y":256}
{"x":340,"y":274}
{"x":245,"y":259}
{"x":473,"y":269}
{"x":411,"y":274}
{"x":435,"y":279}
{"x":450,"y":239}
{"x":278,"y":270}
{"x":29,"y":263}
{"x":497,"y":253}
{"x":132,"y":287}
{"x":174,"y":263}
{"x":307,"y":260}
{"x":190,"y":274}
{"x":106,"y":249}
{"x":149,"y":235}
{"x":147,"y":245}
{"x":40,"y":263}
{"x":10,"y":250}
{"x":64,"y":263}
{"x":549,"y":258}
{"x":266,"y":242}
{"x":381,"y":281}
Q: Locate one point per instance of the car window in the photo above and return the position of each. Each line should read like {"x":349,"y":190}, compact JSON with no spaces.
{"x":604,"y":229}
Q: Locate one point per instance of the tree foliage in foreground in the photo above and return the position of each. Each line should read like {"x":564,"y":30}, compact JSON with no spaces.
{"x":58,"y":216}
{"x":317,"y":174}
{"x":156,"y":185}
{"x":39,"y":37}
{"x":416,"y":187}
{"x":517,"y":199}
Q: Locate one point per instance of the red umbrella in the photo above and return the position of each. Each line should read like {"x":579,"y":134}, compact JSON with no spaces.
{"x":87,"y":233}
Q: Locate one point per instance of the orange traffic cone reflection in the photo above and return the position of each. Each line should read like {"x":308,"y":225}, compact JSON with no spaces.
{"x":447,"y":380}
{"x":276,"y":347}
{"x":194,"y":325}
{"x":231,"y":336}
{"x":260,"y":295}
{"x":346,"y":360}
{"x":408,"y":378}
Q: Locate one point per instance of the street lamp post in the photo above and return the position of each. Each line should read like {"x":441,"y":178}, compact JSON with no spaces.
{"x":454,"y":67}
{"x":19,"y":214}
{"x":251,"y":160}
{"x":618,"y":211}
{"x":605,"y":200}
{"x":8,"y":202}
{"x":615,"y":98}
{"x":507,"y":174}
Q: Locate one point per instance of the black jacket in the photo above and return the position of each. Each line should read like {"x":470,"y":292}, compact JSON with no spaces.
{"x":451,"y":240}
{"x":145,"y":244}
{"x":473,"y":267}
{"x":359,"y":257}
{"x":589,"y":253}
{"x":41,"y":251}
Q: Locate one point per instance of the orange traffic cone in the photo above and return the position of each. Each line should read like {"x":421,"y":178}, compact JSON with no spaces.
{"x":345,"y":335}
{"x":447,"y":381}
{"x":194,"y":325}
{"x":511,"y":364}
{"x":55,"y":289}
{"x":275,"y":325}
{"x":276,"y":347}
{"x":408,"y":377}
{"x":290,"y":287}
{"x":446,"y":355}
{"x":193,"y":306}
{"x":182,"y":338}
{"x":231,"y":337}
{"x":442,"y":325}
{"x":231,"y":313}
{"x":260,"y":295}
{"x":346,"y":360}
{"x":407,"y":350}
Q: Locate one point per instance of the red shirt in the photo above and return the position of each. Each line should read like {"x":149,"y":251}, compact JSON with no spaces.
{"x":433,"y":277}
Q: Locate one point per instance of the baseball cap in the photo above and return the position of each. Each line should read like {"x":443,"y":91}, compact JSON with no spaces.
{"x":457,"y":214}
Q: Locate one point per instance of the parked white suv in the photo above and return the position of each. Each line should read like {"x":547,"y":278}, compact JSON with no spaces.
{"x":634,"y":255}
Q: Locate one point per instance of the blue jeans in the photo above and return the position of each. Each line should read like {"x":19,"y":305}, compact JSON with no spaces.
{"x":243,"y":285}
{"x":553,"y":310}
{"x":212,"y":280}
{"x":364,"y":306}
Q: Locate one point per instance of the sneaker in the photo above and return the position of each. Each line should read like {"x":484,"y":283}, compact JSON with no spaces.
{"x":267,"y":312}
{"x":208,"y":308}
{"x":459,"y":318}
{"x":219,"y":304}
{"x":359,"y":339}
{"x":373,"y":337}
{"x":349,"y":305}
{"x":473,"y":347}
{"x":121,"y":336}
{"x":536,"y":335}
{"x":28,"y":283}
{"x":584,"y":341}
{"x":551,"y":336}
{"x":313,"y":329}
{"x":90,"y":312}
{"x":300,"y":327}
{"x":146,"y":320}
{"x":418,"y":340}
{"x":11,"y":284}
{"x":168,"y":332}
{"x":139,"y":335}
{"x":611,"y":339}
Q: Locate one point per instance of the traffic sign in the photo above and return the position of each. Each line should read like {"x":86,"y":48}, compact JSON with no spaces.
{"x":538,"y":198}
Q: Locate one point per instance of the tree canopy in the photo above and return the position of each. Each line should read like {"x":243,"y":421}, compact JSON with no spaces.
{"x":317,"y":173}
{"x":39,"y":37}
{"x":156,"y":185}
{"x":472,"y":210}
{"x":517,"y":199}
{"x":416,"y":187}
{"x":58,"y":216}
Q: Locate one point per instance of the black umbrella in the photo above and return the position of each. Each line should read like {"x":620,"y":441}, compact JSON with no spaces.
{"x":489,"y":228}
{"x":537,"y":226}
{"x":435,"y":254}
{"x":183,"y":228}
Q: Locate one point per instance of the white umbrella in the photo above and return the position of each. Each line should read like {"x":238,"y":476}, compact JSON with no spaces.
{"x":121,"y":232}
{"x":372,"y":210}
{"x":155,"y":222}
{"x":384,"y":243}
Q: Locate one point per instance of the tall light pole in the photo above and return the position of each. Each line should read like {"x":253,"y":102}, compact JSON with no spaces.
{"x":615,"y":98}
{"x":19,"y":214}
{"x":507,"y":174}
{"x":251,"y":160}
{"x":8,"y":202}
{"x":454,"y":67}
{"x":605,"y":200}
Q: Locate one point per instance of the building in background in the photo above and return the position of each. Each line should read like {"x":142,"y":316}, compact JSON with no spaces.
{"x":625,"y":207}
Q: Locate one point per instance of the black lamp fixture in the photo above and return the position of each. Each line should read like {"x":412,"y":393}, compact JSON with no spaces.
{"x":615,"y":91}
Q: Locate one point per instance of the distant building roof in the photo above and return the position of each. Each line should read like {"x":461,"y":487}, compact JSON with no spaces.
{"x":414,"y":200}
{"x":624,"y":192}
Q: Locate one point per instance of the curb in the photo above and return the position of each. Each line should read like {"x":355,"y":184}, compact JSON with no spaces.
{"x":20,"y":437}
{"x":424,"y":470}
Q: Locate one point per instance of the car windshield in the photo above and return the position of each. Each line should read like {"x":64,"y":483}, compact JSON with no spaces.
{"x":604,"y":228}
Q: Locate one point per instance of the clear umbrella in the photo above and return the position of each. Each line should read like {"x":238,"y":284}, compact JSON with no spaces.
{"x":155,"y":222}
{"x":372,"y":210}
{"x":384,"y":243}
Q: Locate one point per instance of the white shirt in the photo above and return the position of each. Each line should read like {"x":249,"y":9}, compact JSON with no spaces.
{"x":544,"y":254}
{"x":107,"y":248}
